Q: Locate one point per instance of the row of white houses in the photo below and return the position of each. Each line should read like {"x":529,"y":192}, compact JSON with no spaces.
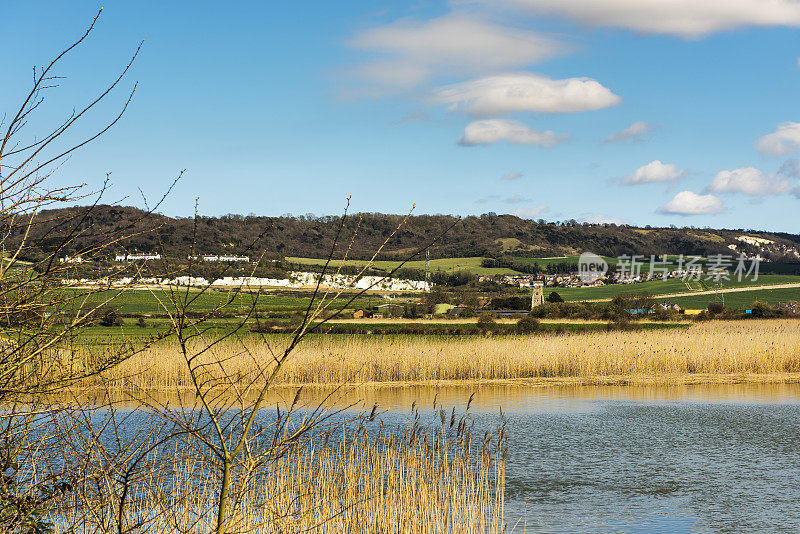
{"x":136,"y":257}
{"x":213,"y":257}
{"x":295,"y":280}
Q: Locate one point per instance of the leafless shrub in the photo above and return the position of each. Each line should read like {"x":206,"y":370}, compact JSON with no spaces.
{"x":42,"y":307}
{"x":215,"y":460}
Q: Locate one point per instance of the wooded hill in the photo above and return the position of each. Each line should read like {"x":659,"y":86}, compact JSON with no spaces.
{"x":485,"y":235}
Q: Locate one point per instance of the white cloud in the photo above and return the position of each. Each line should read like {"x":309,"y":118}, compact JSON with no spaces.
{"x":689,"y":19}
{"x":654,"y":172}
{"x":635,"y":132}
{"x":750,"y":181}
{"x":516,"y":199}
{"x":512,"y":176}
{"x":530,"y":213}
{"x":502,"y":94}
{"x":490,"y":131}
{"x":689,"y":203}
{"x":784,"y":140}
{"x":411,"y":52}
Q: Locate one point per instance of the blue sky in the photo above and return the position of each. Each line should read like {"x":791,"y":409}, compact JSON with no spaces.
{"x":652,"y":112}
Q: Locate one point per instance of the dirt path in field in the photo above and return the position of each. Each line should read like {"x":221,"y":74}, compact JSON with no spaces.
{"x":713,"y":291}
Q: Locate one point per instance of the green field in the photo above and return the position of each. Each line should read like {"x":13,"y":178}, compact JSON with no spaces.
{"x":544,"y":262}
{"x":740,"y":299}
{"x":667,"y":287}
{"x":471,"y":265}
{"x":643,"y":263}
{"x":145,"y":302}
{"x":130,"y":331}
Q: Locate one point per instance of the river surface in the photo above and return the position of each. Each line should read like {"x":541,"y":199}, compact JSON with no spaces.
{"x":641,"y":459}
{"x":709,"y":458}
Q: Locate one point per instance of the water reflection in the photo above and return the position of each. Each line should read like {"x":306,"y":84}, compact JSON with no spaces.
{"x":487,"y":398}
{"x":711,"y":458}
{"x":700,"y":466}
{"x":701,"y":458}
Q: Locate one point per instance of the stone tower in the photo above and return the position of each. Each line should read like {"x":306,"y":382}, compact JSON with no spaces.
{"x":537,"y":297}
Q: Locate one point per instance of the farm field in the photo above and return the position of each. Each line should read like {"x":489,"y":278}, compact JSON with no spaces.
{"x":740,"y":299}
{"x":471,"y":265}
{"x":130,"y":331}
{"x":145,"y":302}
{"x":668,"y":287}
{"x":783,"y":268}
{"x":544,"y":262}
{"x":612,"y":262}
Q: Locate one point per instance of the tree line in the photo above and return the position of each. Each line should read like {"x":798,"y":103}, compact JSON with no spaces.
{"x":488,"y":235}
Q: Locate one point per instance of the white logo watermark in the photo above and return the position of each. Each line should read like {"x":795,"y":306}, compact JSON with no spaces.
{"x":591,"y":267}
{"x":719,"y":268}
{"x":688,"y":268}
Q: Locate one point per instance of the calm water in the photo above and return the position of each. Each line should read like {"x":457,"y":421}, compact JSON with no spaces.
{"x":634,"y":459}
{"x":641,"y":460}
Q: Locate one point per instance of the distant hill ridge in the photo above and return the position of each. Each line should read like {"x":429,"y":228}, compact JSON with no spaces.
{"x":484,"y":235}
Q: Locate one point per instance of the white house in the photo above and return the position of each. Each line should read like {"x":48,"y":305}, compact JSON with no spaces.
{"x":214,"y":257}
{"x":135,"y":257}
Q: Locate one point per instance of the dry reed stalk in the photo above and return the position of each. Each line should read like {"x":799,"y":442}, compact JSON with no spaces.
{"x":714,"y":349}
{"x":422,"y":480}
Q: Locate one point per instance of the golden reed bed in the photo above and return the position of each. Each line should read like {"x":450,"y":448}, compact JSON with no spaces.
{"x":424,"y":480}
{"x":756,"y":350}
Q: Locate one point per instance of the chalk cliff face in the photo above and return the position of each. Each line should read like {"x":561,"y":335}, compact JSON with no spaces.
{"x":767,"y":247}
{"x":294,"y":280}
{"x":485,"y":235}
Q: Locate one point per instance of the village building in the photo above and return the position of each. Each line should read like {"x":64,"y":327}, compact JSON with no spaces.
{"x":537,"y":294}
{"x":215,"y":257}
{"x":136,"y":257}
{"x":71,"y":259}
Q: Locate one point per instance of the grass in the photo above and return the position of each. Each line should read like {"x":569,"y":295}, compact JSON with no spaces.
{"x":544,"y":262}
{"x":661,"y":287}
{"x":668,"y":287}
{"x":706,"y":351}
{"x":645,"y":262}
{"x":146,"y":302}
{"x":740,"y":299}
{"x":612,"y":262}
{"x":471,"y":265}
{"x":131,"y":331}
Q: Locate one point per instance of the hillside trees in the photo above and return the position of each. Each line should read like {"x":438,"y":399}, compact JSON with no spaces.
{"x":288,"y":236}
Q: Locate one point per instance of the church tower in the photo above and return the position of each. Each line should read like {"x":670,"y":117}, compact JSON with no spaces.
{"x":537,"y":297}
